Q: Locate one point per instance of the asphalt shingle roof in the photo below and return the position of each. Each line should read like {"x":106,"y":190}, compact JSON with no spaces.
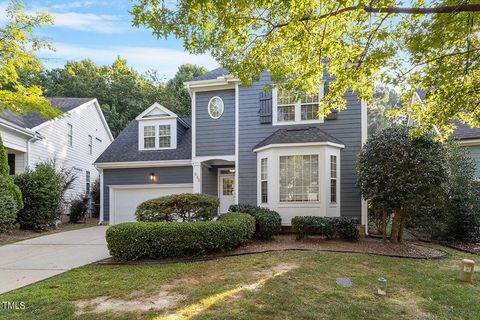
{"x":311,"y":134}
{"x":213,"y":74}
{"x":464,"y":131}
{"x":31,"y":120}
{"x":125,"y":147}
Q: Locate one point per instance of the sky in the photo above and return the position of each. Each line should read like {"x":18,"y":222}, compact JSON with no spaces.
{"x":101,"y":30}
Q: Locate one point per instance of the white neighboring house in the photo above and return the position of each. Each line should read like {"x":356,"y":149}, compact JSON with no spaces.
{"x":74,"y":140}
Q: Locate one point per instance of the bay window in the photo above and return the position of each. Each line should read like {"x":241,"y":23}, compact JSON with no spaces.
{"x":299,"y":178}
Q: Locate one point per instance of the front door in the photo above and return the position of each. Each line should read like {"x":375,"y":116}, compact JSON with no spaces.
{"x":226,"y":191}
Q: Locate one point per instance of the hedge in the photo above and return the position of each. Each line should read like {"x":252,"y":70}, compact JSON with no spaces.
{"x":330,"y":227}
{"x":185,"y":206}
{"x":135,"y":240}
{"x":267,"y":222}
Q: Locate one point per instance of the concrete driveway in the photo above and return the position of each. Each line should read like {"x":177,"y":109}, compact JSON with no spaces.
{"x":26,"y":262}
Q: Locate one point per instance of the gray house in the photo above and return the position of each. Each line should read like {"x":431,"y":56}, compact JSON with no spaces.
{"x":243,"y":145}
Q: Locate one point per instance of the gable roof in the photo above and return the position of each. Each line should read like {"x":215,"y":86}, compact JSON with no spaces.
{"x":125,"y":147}
{"x":156,"y":110}
{"x":31,"y":120}
{"x":212,"y":74}
{"x":304,"y":135}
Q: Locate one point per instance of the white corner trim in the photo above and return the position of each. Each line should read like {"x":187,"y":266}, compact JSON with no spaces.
{"x":101,"y":215}
{"x":143,"y":164}
{"x":237,"y":139}
{"x":194,"y":129}
{"x":364,"y":130}
{"x":303,"y":144}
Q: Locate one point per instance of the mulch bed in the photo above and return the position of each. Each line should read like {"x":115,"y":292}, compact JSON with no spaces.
{"x":473,"y":248}
{"x":284,"y":242}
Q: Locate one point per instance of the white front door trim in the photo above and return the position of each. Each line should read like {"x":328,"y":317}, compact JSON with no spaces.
{"x":225,"y":201}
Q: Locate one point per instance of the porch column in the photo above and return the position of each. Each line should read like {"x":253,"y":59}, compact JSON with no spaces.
{"x":197,"y":177}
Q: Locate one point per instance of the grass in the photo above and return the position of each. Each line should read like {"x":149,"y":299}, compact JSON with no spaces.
{"x":218,"y":289}
{"x":19,"y":235}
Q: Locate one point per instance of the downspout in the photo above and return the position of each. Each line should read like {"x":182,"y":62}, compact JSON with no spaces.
{"x":35,"y":137}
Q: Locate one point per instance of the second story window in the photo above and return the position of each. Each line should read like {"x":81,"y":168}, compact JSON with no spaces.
{"x":288,"y":110}
{"x":149,"y":137}
{"x":70,"y":134}
{"x":90,"y":144}
{"x":164,"y":138}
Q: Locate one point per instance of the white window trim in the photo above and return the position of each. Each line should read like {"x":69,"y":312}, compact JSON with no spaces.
{"x":318,"y":177}
{"x":335,"y":203}
{"x":264,"y":180}
{"x":70,"y":134}
{"x":90,"y":144}
{"x":298,"y":109}
{"x":156,"y":123}
{"x":208,"y":108}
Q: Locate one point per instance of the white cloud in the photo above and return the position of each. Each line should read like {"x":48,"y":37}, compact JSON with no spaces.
{"x":165,"y":60}
{"x":89,"y":22}
{"x":73,"y":5}
{"x":102,"y":23}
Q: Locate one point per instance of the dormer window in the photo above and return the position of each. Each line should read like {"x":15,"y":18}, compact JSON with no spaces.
{"x":288,"y":110}
{"x":157,"y":128}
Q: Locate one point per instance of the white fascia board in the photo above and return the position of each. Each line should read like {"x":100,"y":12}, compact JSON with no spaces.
{"x":143,"y":164}
{"x":104,"y":121}
{"x":46,"y":123}
{"x":207,"y":158}
{"x":156,"y":105}
{"x":303,"y":144}
{"x":213,"y":84}
{"x":469,"y":142}
{"x":16,"y":128}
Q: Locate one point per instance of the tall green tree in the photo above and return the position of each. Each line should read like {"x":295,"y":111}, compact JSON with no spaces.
{"x":18,"y":45}
{"x":384,"y":100}
{"x":432,"y":45}
{"x":176,"y":95}
{"x":122,"y":92}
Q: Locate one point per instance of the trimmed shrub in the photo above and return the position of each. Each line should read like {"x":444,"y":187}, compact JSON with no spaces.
{"x":42,"y":190}
{"x":267,"y":222}
{"x":78,"y":209}
{"x":185,"y":206}
{"x":8,"y":211}
{"x":135,"y":240}
{"x":329,"y":227}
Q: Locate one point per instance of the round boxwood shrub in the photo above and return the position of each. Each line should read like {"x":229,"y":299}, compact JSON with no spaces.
{"x":41,"y":190}
{"x":185,"y":206}
{"x":8,"y":211}
{"x":135,"y":240}
{"x":267,"y":222}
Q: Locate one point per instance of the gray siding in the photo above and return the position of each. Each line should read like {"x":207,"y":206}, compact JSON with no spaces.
{"x":475,"y":154}
{"x":210,"y":181}
{"x":164,"y":175}
{"x":215,"y":137}
{"x":346,"y":128}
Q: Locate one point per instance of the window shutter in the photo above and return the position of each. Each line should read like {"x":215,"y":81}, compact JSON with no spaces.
{"x":334,"y":114}
{"x":265,"y":110}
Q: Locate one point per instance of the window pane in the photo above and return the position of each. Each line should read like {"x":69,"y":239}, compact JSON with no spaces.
{"x":309,"y":111}
{"x":149,"y":142}
{"x":164,"y":142}
{"x":286,"y":113}
{"x":299,"y":178}
{"x":164,"y":130}
{"x":227,"y":186}
{"x":333,"y":190}
{"x":149,"y":131}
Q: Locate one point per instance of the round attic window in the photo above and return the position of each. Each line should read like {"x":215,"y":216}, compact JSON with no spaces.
{"x":215,"y":107}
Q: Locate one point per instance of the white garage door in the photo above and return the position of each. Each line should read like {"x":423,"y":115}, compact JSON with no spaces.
{"x":124,"y":200}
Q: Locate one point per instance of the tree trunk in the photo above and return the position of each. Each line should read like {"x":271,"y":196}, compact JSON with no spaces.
{"x":403,"y":222}
{"x":384,"y":225}
{"x":395,"y":226}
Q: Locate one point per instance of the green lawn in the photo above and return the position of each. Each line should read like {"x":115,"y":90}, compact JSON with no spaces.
{"x":418,"y":289}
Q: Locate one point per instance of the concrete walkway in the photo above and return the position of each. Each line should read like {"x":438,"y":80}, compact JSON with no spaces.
{"x":26,"y":262}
